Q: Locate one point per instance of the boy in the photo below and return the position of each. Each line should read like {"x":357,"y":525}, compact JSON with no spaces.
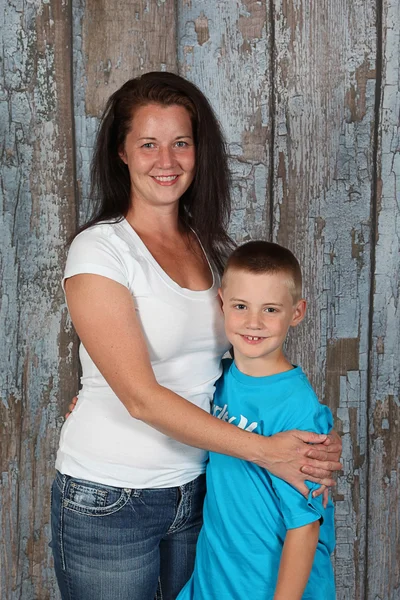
{"x":261,"y":539}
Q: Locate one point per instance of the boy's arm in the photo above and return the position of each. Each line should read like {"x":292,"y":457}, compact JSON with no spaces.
{"x":296,"y":561}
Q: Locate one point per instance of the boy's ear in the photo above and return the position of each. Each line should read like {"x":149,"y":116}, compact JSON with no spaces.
{"x":220,"y":298}
{"x":299,"y":312}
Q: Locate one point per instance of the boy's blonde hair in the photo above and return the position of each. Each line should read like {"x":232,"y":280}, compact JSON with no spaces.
{"x":260,"y":257}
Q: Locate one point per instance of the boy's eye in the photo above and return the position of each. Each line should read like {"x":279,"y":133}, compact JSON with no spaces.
{"x":240,"y":306}
{"x":270,"y":309}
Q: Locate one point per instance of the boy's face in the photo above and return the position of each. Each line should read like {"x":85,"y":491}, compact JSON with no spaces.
{"x":258,"y":310}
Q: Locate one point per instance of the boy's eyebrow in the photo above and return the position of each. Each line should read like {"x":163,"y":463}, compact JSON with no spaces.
{"x":246,"y":301}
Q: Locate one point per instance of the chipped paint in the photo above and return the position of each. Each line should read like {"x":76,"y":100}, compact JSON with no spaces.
{"x":232,"y":68}
{"x":201,"y":29}
{"x":323,"y":160}
{"x":384,"y":414}
{"x":38,"y":215}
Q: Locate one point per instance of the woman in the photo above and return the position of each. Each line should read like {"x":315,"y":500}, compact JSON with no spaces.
{"x":141,"y":283}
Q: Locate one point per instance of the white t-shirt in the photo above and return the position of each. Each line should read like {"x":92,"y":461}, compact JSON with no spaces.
{"x":185,"y":337}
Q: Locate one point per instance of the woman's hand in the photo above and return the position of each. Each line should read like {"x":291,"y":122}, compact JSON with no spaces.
{"x":291,"y":458}
{"x":71,"y":406}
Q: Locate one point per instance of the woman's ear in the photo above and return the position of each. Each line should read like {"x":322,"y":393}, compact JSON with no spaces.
{"x":122,"y":155}
{"x":299,"y":312}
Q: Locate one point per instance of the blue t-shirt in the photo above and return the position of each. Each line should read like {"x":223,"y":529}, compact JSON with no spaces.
{"x":247,"y":511}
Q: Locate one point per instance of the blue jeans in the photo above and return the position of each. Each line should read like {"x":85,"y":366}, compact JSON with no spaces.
{"x":124,"y":544}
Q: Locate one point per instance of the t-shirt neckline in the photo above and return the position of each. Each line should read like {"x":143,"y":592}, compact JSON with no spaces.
{"x":248,"y":380}
{"x":195,"y":294}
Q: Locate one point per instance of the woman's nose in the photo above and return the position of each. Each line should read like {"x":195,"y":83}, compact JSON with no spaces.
{"x":165,"y":157}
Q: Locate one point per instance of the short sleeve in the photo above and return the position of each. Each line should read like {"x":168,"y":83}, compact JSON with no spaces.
{"x":297,"y":510}
{"x":97,"y":251}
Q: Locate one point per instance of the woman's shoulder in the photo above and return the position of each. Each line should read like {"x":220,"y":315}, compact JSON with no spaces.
{"x":102,"y":249}
{"x":104,"y":230}
{"x":105,"y":236}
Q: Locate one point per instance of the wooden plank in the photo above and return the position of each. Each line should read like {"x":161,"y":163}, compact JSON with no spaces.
{"x":384,"y":426}
{"x":39,"y":368}
{"x":114,"y":40}
{"x":224,"y":47}
{"x":324,"y":115}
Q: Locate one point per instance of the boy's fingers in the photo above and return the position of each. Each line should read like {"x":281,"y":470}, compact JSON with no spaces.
{"x":67,"y":415}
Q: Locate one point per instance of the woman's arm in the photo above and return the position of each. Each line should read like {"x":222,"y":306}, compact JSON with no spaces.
{"x":296,"y":561}
{"x":104,"y":317}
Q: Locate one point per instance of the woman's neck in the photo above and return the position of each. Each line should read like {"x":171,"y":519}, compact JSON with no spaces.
{"x":155,"y":220}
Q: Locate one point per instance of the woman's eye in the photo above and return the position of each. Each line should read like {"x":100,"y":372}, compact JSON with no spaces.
{"x":181,"y":144}
{"x":148,"y":145}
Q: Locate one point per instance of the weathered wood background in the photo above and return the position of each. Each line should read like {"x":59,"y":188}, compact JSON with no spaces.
{"x":309,"y":97}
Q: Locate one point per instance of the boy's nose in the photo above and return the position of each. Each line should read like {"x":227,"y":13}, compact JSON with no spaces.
{"x":253,"y":322}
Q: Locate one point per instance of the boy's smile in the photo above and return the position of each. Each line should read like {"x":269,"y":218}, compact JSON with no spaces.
{"x":258,"y":310}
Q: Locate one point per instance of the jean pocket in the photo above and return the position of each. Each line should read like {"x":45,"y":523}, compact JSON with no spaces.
{"x":93,"y":499}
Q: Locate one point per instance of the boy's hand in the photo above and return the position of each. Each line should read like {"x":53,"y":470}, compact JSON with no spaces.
{"x":71,"y":406}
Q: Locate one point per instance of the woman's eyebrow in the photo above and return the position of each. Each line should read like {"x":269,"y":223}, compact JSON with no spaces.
{"x":153,"y":139}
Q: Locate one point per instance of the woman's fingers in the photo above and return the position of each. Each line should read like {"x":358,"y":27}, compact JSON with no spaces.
{"x":309,"y":437}
{"x":324,"y":466}
{"x":320,"y":453}
{"x":318,"y":474}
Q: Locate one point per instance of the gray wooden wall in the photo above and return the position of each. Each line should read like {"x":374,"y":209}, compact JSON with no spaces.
{"x":308,"y":95}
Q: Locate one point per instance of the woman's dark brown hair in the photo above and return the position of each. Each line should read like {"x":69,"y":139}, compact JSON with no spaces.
{"x":205,"y":206}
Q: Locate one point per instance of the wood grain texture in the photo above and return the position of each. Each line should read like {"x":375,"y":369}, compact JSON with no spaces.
{"x":384,"y":424}
{"x":324,"y":115}
{"x":114,"y":41}
{"x":224,"y":47}
{"x":37,"y":216}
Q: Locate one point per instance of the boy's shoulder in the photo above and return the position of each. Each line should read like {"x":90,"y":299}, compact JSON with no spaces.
{"x":303,"y":408}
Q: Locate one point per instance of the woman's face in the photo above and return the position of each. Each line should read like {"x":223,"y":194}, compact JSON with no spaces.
{"x":160,"y":154}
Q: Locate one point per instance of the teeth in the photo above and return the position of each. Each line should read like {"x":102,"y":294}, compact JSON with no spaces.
{"x":252,"y":338}
{"x":166,"y":177}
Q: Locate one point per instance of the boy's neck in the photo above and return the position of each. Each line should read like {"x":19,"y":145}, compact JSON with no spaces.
{"x":264,"y":366}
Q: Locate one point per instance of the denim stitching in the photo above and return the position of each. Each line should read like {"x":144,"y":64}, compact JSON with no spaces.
{"x":184,"y":507}
{"x":100,"y":511}
{"x":61,"y":527}
{"x":159,"y":594}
